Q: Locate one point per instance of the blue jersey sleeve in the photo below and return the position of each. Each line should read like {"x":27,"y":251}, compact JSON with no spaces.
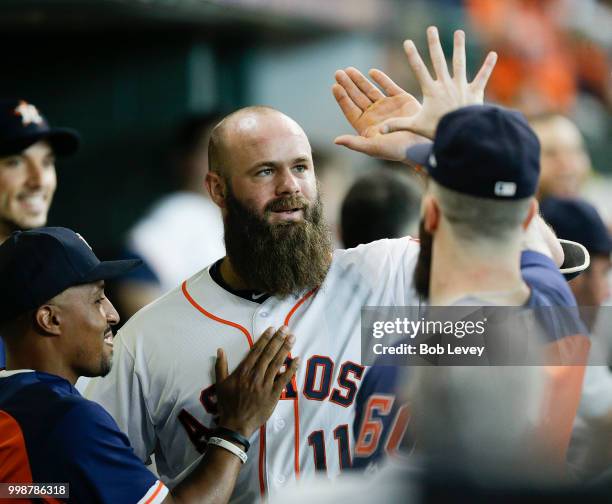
{"x":97,"y":461}
{"x":380,"y":419}
{"x":542,"y":274}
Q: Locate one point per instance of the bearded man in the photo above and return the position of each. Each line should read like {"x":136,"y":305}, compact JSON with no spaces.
{"x":279,"y":270}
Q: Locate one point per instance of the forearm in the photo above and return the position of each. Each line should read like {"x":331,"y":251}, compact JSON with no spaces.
{"x":212,"y":481}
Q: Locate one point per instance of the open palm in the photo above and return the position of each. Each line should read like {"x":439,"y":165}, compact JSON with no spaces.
{"x":390,"y":121}
{"x":444,"y":93}
{"x":365,"y":107}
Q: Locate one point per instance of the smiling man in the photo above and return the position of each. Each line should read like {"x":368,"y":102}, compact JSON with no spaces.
{"x":275,"y":236}
{"x":28,"y":147}
{"x":57,"y":322}
{"x":279,"y":269}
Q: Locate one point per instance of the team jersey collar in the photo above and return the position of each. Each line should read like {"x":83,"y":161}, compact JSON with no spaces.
{"x":5,"y":374}
{"x":248,"y":294}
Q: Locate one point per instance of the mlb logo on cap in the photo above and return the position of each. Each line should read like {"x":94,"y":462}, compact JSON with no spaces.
{"x":505,"y":189}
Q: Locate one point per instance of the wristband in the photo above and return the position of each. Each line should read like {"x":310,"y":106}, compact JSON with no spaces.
{"x":232,"y":436}
{"x":230,"y":447}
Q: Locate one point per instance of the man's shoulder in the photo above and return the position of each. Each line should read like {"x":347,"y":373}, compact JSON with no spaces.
{"x":172,"y":302}
{"x":53,"y":405}
{"x":382,"y":247}
{"x":38,"y":390}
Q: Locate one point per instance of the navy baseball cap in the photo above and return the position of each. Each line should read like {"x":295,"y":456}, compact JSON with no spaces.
{"x":38,"y":264}
{"x":577,"y":220}
{"x":21,"y":125}
{"x":484,"y":151}
{"x":490,"y":152}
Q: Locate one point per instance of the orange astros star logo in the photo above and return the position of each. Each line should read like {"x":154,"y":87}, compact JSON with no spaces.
{"x":29,"y":113}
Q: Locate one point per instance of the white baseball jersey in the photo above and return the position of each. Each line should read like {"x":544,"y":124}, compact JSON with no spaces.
{"x":160,"y":388}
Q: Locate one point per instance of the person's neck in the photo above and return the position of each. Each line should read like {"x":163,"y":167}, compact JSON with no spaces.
{"x":39,"y":359}
{"x":231,"y":277}
{"x":493,"y":275}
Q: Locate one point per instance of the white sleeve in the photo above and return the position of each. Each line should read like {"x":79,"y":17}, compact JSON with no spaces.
{"x":121,"y":394}
{"x":388,"y":265}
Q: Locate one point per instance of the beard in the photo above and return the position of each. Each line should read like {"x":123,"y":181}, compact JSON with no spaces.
{"x":278,"y":259}
{"x":422,"y":271}
{"x":100,"y":368}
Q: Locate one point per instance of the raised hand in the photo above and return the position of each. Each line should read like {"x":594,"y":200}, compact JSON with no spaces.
{"x":247,"y":396}
{"x":365,"y":107}
{"x":444,"y":93}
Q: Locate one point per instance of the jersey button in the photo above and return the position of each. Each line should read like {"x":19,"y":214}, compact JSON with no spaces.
{"x":280,"y":479}
{"x":279,"y":424}
{"x":263,"y":314}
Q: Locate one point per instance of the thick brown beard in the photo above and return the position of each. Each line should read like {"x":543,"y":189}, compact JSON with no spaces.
{"x":279,"y":259}
{"x":422,"y":271}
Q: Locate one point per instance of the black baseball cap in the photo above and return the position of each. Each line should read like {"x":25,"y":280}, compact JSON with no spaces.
{"x":21,"y":125}
{"x":38,"y":264}
{"x":483,"y":150}
{"x":577,"y":220}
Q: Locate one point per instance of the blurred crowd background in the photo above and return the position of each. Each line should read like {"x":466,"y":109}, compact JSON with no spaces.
{"x":142,"y":79}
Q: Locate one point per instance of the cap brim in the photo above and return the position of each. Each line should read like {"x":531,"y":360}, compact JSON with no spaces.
{"x":419,"y":153}
{"x":576,"y":259}
{"x":64,"y":141}
{"x":108,"y":270}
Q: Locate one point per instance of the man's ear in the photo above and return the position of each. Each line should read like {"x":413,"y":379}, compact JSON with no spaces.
{"x":215,"y":184}
{"x":48,"y":319}
{"x":431,"y":214}
{"x":534,"y":208}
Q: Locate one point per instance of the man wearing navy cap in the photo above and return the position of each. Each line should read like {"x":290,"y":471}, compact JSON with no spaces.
{"x":577,"y":220}
{"x":590,"y":451}
{"x":28,"y":148}
{"x":57,"y":324}
{"x":482,"y":241}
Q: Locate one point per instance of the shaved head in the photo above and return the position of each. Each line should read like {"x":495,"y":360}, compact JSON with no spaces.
{"x":262,"y":177}
{"x":248,"y":125}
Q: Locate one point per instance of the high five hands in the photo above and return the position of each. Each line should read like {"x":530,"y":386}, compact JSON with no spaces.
{"x":387,"y":122}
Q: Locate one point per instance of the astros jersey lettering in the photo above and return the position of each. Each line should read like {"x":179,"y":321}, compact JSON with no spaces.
{"x":161,"y":388}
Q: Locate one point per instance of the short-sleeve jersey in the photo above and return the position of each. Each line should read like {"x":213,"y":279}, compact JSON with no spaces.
{"x":49,"y":433}
{"x":161,"y":388}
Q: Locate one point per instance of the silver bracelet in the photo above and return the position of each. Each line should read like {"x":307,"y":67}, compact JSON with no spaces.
{"x":230,"y":447}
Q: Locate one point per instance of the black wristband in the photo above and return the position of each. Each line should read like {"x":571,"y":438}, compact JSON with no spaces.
{"x":233,"y":436}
